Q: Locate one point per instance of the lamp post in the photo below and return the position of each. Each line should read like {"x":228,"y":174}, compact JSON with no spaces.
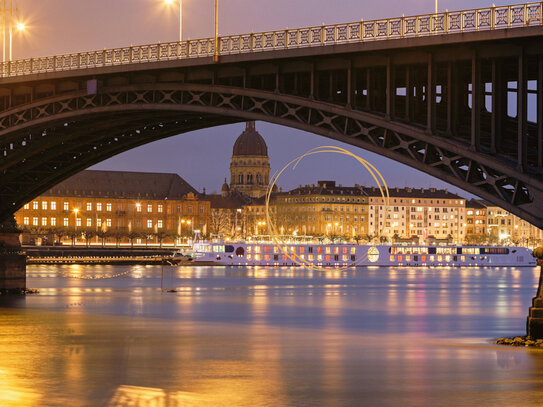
{"x":76,"y":210}
{"x":170,"y":2}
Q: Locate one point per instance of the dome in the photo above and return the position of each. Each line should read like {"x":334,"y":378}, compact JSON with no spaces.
{"x":250,"y":142}
{"x":225,"y":187}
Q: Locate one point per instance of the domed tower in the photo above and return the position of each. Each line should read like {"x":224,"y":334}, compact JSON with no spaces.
{"x":250,"y":167}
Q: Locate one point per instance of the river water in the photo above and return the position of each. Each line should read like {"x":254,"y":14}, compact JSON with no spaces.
{"x":269,"y":337}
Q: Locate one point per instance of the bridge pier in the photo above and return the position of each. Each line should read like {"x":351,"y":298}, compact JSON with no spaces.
{"x":12,"y":259}
{"x":534,"y":324}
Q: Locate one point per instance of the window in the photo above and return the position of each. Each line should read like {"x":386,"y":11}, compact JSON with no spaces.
{"x":159,"y":224}
{"x":108,"y":222}
{"x":53,"y":206}
{"x":149,"y":208}
{"x":138,"y":207}
{"x":89,"y":206}
{"x":108,"y":207}
{"x":44,"y":205}
{"x":35,"y":221}
{"x":77,"y":221}
{"x":26,"y":220}
{"x":27,"y":206}
{"x":160,"y":208}
{"x":53,"y":221}
{"x":65,"y":222}
{"x":99,"y":222}
{"x":66,"y":206}
{"x":149,"y":223}
{"x":201,"y":209}
{"x":44,"y":221}
{"x":89,"y":222}
{"x":35,"y":205}
{"x":189,"y":208}
{"x":98,"y":206}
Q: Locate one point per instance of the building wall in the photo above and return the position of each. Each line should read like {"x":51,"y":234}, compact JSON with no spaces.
{"x":57,"y":214}
{"x":419,"y":215}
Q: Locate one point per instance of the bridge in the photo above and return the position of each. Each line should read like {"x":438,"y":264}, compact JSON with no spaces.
{"x":457,"y":95}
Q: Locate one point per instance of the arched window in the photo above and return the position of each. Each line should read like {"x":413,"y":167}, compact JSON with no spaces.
{"x":240,"y":179}
{"x":249,"y":178}
{"x":259,"y":179}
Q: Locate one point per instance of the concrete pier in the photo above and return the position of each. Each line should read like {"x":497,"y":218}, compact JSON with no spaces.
{"x":534,"y":324}
{"x":12,"y":259}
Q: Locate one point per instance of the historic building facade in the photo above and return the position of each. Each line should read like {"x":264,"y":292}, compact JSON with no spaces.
{"x":423,"y":213}
{"x":115,"y":207}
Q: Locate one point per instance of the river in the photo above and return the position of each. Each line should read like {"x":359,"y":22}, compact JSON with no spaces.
{"x":268,"y":337}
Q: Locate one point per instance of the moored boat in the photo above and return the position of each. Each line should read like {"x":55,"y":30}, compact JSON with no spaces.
{"x":353,"y":255}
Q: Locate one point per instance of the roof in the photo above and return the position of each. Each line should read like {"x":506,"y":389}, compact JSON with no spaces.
{"x":123,"y":185}
{"x":476,"y":204}
{"x":428,"y":193}
{"x":325,"y":188}
{"x":250,"y":142}
{"x":234,"y":200}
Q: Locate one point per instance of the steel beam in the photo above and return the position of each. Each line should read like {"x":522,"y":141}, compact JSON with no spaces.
{"x":540,"y":114}
{"x":522,"y":101}
{"x":430,"y":96}
{"x":475,"y":103}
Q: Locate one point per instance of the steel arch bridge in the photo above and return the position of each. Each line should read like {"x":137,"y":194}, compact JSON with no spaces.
{"x":464,"y":105}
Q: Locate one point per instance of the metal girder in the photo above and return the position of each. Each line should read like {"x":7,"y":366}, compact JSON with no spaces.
{"x":491,"y":177}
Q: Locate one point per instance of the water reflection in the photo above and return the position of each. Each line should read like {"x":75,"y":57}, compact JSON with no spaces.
{"x":269,"y":337}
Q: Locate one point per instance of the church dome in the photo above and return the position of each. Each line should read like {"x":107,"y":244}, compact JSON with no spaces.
{"x":225,"y":187}
{"x":250,"y":143}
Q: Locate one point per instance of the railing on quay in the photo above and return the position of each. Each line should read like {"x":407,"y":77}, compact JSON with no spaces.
{"x":483,"y":19}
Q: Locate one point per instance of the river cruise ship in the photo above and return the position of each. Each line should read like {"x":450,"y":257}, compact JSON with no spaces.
{"x":353,"y":255}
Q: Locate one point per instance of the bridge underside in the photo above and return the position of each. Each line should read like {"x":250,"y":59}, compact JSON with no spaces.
{"x":469,"y":114}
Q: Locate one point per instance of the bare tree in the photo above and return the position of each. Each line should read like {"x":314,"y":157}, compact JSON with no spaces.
{"x":220,"y":222}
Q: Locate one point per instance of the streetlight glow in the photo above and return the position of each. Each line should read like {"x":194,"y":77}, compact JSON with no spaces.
{"x":171,"y":2}
{"x":21,"y":26}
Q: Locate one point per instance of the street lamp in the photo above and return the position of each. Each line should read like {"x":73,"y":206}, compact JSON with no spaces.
{"x":170,"y":2}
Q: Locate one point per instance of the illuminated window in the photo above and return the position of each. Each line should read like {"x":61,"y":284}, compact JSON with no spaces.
{"x":345,"y":258}
{"x":27,"y":206}
{"x":108,"y":222}
{"x":257,"y":249}
{"x":98,"y":222}
{"x":44,"y":221}
{"x":35,"y":221}
{"x":336,"y":250}
{"x":266,"y":249}
{"x":310,"y":257}
{"x":423,"y":258}
{"x":432,"y":258}
{"x":302,"y":249}
{"x":392,"y":258}
{"x":319,"y":250}
{"x":249,"y":257}
{"x":53,"y":221}
{"x":344,"y":250}
{"x":327,"y":257}
{"x":35,"y":205}
{"x":44,"y":205}
{"x":108,"y":207}
{"x":462,"y":258}
{"x":89,"y":206}
{"x":328,"y":251}
{"x":407,"y":258}
{"x":66,"y":206}
{"x":26,"y":220}
{"x":399,"y":258}
{"x":319,"y":257}
{"x":89,"y":222}
{"x":53,"y":206}
{"x":65,"y":222}
{"x":77,"y":221}
{"x":160,"y":223}
{"x":149,"y":223}
{"x":267,"y":257}
{"x":160,"y":208}
{"x":98,"y":206}
{"x":284,"y":257}
{"x":257,"y":257}
{"x":138,"y":207}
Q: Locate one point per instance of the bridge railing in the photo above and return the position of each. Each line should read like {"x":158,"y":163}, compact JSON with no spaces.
{"x":483,"y":19}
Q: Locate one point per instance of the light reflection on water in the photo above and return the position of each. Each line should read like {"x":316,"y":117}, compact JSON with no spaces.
{"x":269,"y":337}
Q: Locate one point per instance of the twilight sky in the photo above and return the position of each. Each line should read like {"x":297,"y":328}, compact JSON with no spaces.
{"x":203,"y":157}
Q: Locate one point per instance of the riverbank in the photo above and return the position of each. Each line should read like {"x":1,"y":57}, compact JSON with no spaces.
{"x":521,"y":341}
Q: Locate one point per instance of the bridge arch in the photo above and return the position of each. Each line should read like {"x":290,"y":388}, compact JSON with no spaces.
{"x":86,"y":129}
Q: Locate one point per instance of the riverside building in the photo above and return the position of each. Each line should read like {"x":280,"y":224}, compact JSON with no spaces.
{"x":114,"y":207}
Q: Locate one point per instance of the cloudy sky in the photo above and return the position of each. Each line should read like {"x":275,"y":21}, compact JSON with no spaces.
{"x":203,"y":157}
